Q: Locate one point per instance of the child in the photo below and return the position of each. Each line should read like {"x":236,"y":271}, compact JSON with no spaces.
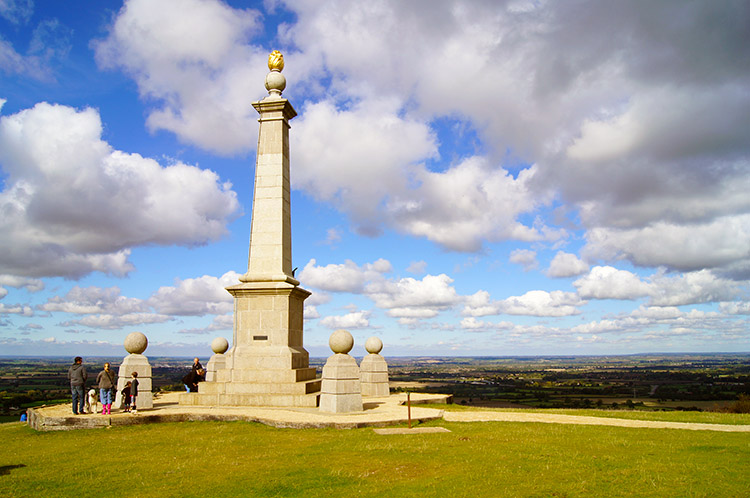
{"x":126,"y":397}
{"x":134,"y":391}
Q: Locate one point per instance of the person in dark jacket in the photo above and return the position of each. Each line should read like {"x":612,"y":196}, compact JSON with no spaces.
{"x":126,"y":397}
{"x":107,"y":381}
{"x":77,"y":376}
{"x":191,"y":380}
{"x":134,"y":392}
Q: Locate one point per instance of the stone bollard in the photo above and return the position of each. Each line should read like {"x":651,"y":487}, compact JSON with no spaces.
{"x":340,"y":390}
{"x":135,"y":344}
{"x":218,"y":361}
{"x":374,"y":370}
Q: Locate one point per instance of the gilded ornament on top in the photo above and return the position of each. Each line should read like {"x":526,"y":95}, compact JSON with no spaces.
{"x":276,"y":61}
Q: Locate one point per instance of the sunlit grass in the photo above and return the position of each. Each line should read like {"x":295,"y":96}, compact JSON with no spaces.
{"x":670,"y":416}
{"x":229,"y":459}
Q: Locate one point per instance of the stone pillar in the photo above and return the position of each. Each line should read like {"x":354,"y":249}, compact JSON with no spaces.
{"x":135,"y":344}
{"x":374,"y":370}
{"x":340,"y":390}
{"x":267,"y":364}
{"x":218,"y":361}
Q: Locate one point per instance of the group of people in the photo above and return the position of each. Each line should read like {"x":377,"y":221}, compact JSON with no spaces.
{"x":106,"y":381}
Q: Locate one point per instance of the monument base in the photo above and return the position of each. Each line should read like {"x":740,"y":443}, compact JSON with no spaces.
{"x":340,"y":389}
{"x":374,"y":376}
{"x":135,"y":363}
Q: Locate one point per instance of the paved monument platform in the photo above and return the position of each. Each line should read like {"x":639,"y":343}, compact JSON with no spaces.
{"x":378,"y":412}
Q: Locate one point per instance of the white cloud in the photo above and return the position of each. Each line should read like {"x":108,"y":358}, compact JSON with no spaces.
{"x":346,"y":277}
{"x":468,"y":203}
{"x":340,"y":155}
{"x":480,"y":304}
{"x":16,"y":309}
{"x":405,"y":296}
{"x":525,"y":258}
{"x":114,"y":322}
{"x":606,"y":282}
{"x":30,"y":284}
{"x":74,"y":205}
{"x":735,"y":308}
{"x":687,"y":248}
{"x":204,"y":295}
{"x":692,"y":288}
{"x":353,"y":320}
{"x":542,"y":303}
{"x":566,"y":265}
{"x":191,"y":57}
{"x":93,"y":300}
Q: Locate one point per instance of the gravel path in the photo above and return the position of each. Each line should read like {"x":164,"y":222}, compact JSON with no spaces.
{"x":576,"y":419}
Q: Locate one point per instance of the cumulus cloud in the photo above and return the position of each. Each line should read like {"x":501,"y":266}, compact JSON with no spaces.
{"x":192,"y":58}
{"x":408,"y":297}
{"x":352,"y":320}
{"x":606,"y":282}
{"x":16,"y":309}
{"x":542,"y":303}
{"x":533,"y":303}
{"x":467,"y":204}
{"x":346,"y":277}
{"x":93,"y":300}
{"x":566,"y":265}
{"x":692,"y":288}
{"x":73,"y":205}
{"x":204,"y":295}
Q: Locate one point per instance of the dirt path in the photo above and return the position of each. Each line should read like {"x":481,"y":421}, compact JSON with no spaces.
{"x":576,"y":419}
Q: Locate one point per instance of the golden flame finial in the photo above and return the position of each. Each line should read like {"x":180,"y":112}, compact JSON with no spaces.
{"x":276,"y":61}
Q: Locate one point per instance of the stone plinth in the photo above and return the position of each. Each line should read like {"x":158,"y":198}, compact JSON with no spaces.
{"x":374,"y":376}
{"x":135,"y":363}
{"x":340,"y":390}
{"x":217,"y":362}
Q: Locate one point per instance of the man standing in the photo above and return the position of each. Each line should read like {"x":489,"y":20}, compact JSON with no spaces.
{"x":77,"y":376}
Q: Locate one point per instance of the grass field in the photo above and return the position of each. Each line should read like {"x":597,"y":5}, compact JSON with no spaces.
{"x":673,"y":416}
{"x":231,"y":459}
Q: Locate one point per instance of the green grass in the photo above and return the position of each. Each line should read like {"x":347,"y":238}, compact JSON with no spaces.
{"x":670,"y":416}
{"x":229,"y":459}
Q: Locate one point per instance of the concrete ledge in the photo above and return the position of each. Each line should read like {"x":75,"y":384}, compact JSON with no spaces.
{"x":377,"y":412}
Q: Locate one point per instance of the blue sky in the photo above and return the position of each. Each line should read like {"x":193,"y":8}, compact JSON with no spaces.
{"x":469,"y":178}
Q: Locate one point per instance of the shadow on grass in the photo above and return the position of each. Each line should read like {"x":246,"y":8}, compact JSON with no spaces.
{"x":5,"y":469}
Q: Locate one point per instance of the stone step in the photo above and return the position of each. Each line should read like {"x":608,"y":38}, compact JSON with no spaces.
{"x":305,"y":387}
{"x":272,"y":400}
{"x":296,"y":375}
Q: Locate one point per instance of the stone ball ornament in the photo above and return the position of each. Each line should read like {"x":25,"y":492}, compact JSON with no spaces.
{"x":219,"y":345}
{"x":341,"y":341}
{"x":373,"y":345}
{"x":136,"y":343}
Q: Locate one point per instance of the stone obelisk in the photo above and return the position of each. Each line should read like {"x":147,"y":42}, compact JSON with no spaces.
{"x":267,"y":364}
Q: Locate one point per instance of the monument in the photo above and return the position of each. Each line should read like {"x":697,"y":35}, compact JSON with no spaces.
{"x":135,"y":344}
{"x":374,"y":370}
{"x":340,"y":390}
{"x":267,"y":364}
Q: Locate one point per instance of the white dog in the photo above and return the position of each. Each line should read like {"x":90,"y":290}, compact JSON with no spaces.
{"x":90,"y":402}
